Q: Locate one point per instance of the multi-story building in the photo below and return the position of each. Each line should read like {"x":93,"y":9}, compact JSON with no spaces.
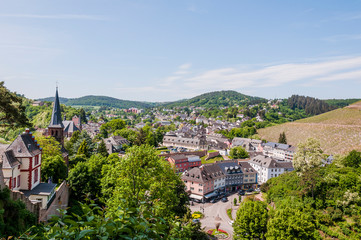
{"x":250,"y":145}
{"x":249,"y":175}
{"x":268,"y":167}
{"x":173,"y":140}
{"x":233,"y":173}
{"x":183,"y":162}
{"x":22,"y":169}
{"x":279,"y":151}
{"x":198,"y":182}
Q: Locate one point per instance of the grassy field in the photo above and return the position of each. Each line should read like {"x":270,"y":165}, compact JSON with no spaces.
{"x":339,"y":131}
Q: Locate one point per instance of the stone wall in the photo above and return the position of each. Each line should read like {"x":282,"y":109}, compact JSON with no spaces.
{"x":60,"y":202}
{"x":34,"y":207}
{"x":197,"y":153}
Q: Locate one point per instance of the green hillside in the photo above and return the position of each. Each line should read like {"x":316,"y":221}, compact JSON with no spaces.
{"x":217,"y":99}
{"x":101,"y":101}
{"x":339,"y":131}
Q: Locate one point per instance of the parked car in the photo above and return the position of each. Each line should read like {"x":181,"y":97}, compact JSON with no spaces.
{"x":224,"y":199}
{"x":213,"y":200}
{"x":250,"y":190}
{"x":241,"y":192}
{"x":196,"y":221}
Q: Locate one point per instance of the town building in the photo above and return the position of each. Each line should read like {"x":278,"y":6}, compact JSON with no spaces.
{"x":115,"y":144}
{"x":233,"y":173}
{"x":184,"y":162}
{"x":198,"y":183}
{"x":21,"y":168}
{"x":279,"y":151}
{"x":267,"y":167}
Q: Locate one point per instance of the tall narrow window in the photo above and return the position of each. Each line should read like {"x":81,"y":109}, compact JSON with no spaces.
{"x":36,"y":175}
{"x":19,"y":181}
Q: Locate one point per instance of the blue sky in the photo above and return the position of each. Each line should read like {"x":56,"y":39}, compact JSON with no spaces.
{"x":169,"y":50}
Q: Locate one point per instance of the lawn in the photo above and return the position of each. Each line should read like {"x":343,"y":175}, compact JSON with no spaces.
{"x":212,"y":160}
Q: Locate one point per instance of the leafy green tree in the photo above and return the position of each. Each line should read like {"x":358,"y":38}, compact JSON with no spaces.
{"x":127,"y":133}
{"x":102,"y":149}
{"x":53,"y":167}
{"x":74,"y":160}
{"x":290,"y":223}
{"x":81,"y":181}
{"x":82,"y":116}
{"x":83,"y":149}
{"x":353,"y":159}
{"x":238,"y":153}
{"x":307,"y":156}
{"x":282,"y":138}
{"x":142,"y":179}
{"x":83,"y":136}
{"x":251,"y":220}
{"x":113,"y":125}
{"x":14,"y":217}
{"x":69,"y":145}
{"x":50,"y":146}
{"x":12,"y":110}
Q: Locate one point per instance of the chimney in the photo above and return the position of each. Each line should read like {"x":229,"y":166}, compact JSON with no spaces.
{"x":27,"y":130}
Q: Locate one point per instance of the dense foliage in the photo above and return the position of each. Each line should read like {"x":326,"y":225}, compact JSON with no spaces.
{"x":325,"y":198}
{"x":238,"y":153}
{"x":311,"y":105}
{"x":12,"y":110}
{"x":339,"y":103}
{"x":14,"y":218}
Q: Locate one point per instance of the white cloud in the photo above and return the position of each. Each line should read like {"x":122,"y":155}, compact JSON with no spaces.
{"x":56,"y":16}
{"x":272,"y":76}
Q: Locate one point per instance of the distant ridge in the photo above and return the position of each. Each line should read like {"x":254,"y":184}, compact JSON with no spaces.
{"x":101,"y":101}
{"x":211,"y":99}
{"x":217,"y":99}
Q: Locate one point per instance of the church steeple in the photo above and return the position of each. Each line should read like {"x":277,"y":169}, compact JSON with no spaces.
{"x":56,"y":121}
{"x":56,"y":127}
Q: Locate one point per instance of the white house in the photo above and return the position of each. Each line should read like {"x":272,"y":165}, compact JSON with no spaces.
{"x":268,"y":168}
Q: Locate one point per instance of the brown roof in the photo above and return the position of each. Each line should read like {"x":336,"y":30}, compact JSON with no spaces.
{"x":246,"y":167}
{"x":179,"y":157}
{"x":9,"y":160}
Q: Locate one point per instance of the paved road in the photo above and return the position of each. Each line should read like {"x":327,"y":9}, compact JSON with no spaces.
{"x":214,"y":210}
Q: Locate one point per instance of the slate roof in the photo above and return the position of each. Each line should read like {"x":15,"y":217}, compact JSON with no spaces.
{"x":197,"y":175}
{"x":269,"y":162}
{"x":41,"y":189}
{"x":231,"y":165}
{"x":9,"y":160}
{"x":246,"y":167}
{"x":214,"y":170}
{"x":70,"y":127}
{"x":24,"y":146}
{"x":56,"y":121}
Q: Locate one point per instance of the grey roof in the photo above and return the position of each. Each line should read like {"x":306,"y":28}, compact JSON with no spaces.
{"x":246,"y":167}
{"x":197,"y":175}
{"x":24,"y":146}
{"x":8,"y":158}
{"x":269,"y":162}
{"x":214,"y":170}
{"x":69,"y":127}
{"x":44,"y":189}
{"x":229,"y":165}
{"x":56,"y":121}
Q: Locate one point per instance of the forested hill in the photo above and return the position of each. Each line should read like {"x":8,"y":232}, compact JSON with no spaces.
{"x":217,"y":99}
{"x":101,"y":101}
{"x":312,"y":106}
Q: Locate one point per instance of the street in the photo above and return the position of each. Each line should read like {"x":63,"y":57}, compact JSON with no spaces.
{"x":217,"y":212}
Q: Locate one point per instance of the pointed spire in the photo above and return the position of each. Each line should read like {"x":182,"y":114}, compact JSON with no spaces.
{"x":56,"y":121}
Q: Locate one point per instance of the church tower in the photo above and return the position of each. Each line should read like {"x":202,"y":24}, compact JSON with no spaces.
{"x":56,"y":127}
